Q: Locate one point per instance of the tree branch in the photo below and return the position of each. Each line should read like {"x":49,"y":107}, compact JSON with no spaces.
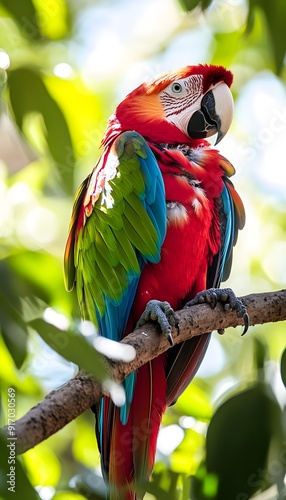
{"x":66,"y":403}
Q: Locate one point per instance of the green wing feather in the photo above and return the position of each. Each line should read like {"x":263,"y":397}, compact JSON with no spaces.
{"x":118,"y":223}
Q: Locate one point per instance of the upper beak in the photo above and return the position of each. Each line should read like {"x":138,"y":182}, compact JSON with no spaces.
{"x":215,"y":115}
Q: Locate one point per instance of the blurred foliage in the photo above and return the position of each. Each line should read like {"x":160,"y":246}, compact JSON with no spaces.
{"x":35,"y":98}
{"x":63,"y":67}
{"x":237,"y":426}
{"x":274,"y":17}
{"x":18,"y":473}
{"x":73,"y":346}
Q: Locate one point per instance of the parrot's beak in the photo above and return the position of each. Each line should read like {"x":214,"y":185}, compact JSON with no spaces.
{"x":215,"y":115}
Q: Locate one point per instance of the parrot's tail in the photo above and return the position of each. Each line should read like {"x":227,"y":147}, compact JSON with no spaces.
{"x":128,"y":450}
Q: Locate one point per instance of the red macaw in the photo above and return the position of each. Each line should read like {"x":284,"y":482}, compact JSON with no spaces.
{"x":152,"y":225}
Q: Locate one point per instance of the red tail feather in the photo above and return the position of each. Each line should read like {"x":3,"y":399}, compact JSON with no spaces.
{"x":133,"y":446}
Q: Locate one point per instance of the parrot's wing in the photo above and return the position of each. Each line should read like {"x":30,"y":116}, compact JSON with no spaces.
{"x":118,"y":223}
{"x":232,"y":219}
{"x":184,"y":359}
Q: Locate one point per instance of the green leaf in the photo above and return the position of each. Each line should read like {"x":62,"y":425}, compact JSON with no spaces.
{"x":14,"y":336}
{"x":240,"y":436}
{"x":283,"y":367}
{"x":24,"y":13}
{"x":72,"y":346}
{"x":12,"y":323}
{"x":275,"y":18}
{"x":29,"y":94}
{"x":261,"y":354}
{"x":42,"y":274}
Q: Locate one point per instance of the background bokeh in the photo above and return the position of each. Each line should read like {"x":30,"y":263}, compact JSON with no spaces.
{"x":64,"y":65}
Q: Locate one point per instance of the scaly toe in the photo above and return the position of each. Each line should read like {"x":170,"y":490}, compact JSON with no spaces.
{"x":228,"y":299}
{"x":161,"y":312}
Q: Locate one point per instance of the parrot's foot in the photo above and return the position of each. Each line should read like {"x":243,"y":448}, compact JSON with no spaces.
{"x":161,"y":312}
{"x":229,"y":300}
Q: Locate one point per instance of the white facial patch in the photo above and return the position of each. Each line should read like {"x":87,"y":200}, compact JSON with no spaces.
{"x":182,"y":97}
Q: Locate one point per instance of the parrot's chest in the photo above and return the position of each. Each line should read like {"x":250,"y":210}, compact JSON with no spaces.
{"x":186,"y":251}
{"x":193,"y":234}
{"x":190,"y":243}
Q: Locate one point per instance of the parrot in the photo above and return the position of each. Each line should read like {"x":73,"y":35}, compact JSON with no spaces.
{"x":152,"y":230}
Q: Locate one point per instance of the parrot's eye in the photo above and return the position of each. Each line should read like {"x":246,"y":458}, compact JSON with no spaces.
{"x":177,"y":88}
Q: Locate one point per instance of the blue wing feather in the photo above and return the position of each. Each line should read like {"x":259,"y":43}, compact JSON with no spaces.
{"x":112,"y":323}
{"x":229,"y":231}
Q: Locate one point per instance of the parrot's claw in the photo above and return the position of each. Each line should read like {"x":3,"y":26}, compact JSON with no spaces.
{"x":229,"y":300}
{"x":161,"y":312}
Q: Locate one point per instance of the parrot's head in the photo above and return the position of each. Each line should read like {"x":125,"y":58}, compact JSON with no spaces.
{"x":183,"y":106}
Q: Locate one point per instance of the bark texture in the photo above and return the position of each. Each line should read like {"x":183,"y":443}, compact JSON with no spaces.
{"x":66,"y":403}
